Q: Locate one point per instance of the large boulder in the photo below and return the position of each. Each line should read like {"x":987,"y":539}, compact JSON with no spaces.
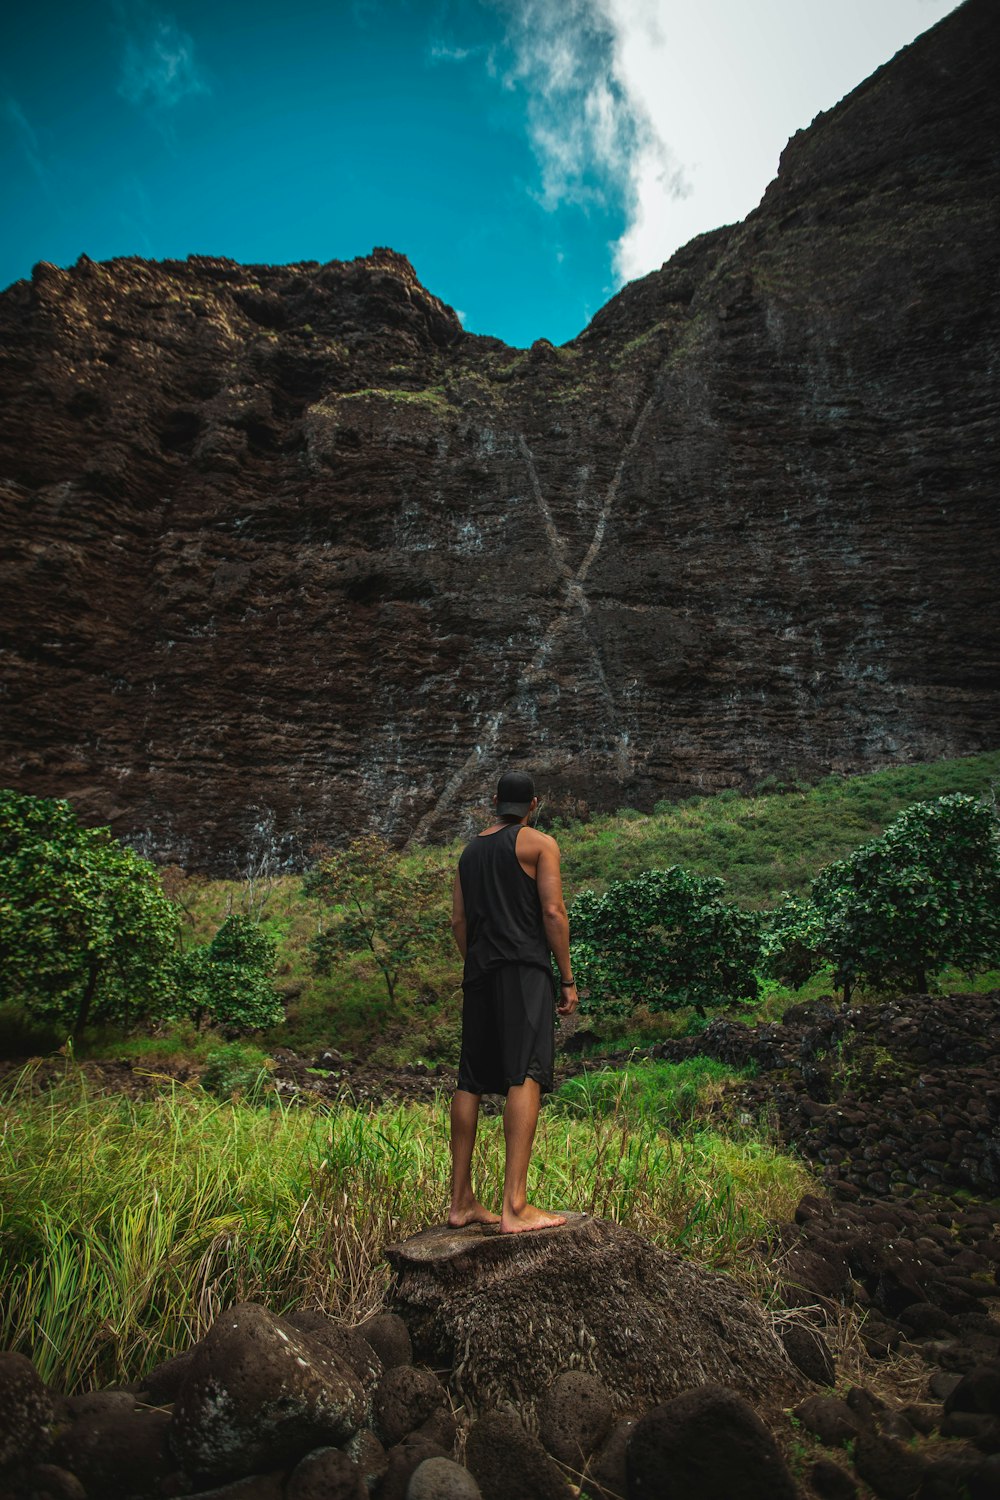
{"x":508,"y":1313}
{"x":25,"y":1410}
{"x":260,"y":1393}
{"x":707,"y":1443}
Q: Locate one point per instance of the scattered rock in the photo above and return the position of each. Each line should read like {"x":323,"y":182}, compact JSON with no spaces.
{"x":403,"y":1462}
{"x":25,"y":1410}
{"x":978,"y":1391}
{"x":508,"y":1463}
{"x":347,"y":1345}
{"x":115,"y":1451}
{"x":389,"y":1336}
{"x":99,"y":1404}
{"x":441,"y":1479}
{"x":260,"y":1393}
{"x":269,"y":1486}
{"x":574,"y":1417}
{"x":829,"y":1419}
{"x":953,"y":1476}
{"x":605,"y":1474}
{"x":707,"y":1442}
{"x":325,"y":1474}
{"x":831,"y":1482}
{"x":865,"y":1405}
{"x":49,"y":1482}
{"x":942,"y":1382}
{"x":405,"y":1398}
{"x":369,"y":1455}
{"x":894,"y":1472}
{"x":162,"y":1385}
{"x":440,"y":1428}
{"x":810,"y":1353}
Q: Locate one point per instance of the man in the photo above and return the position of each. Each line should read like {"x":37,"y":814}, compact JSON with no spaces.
{"x":508,"y":914}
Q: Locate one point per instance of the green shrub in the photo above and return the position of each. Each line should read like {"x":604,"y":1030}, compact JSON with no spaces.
{"x":376,"y":902}
{"x":86,"y":933}
{"x":926,"y":893}
{"x":228,"y":980}
{"x":236,"y":1070}
{"x":663,"y":939}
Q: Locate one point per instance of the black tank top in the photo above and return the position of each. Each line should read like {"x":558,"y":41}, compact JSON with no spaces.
{"x":502,"y":911}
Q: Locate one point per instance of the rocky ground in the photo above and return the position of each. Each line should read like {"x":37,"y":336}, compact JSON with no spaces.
{"x":887,"y":1283}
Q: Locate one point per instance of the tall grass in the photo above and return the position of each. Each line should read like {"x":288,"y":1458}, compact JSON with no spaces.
{"x":127,"y":1225}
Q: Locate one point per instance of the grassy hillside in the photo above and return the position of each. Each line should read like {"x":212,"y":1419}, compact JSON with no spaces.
{"x":761,"y":845}
{"x":771,"y":842}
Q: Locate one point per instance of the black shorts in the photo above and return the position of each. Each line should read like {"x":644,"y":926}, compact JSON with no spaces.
{"x":508,"y":1030}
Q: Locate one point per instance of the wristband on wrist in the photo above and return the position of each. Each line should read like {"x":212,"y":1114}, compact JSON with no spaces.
{"x":567,"y":982}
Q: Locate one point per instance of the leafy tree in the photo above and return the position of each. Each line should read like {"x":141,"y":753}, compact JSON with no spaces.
{"x":228,"y":980}
{"x":86,"y":933}
{"x":796,"y":941}
{"x":924,"y":894}
{"x":379,"y":905}
{"x":664,"y":939}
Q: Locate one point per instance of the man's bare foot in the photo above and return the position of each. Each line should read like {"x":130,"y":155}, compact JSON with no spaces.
{"x":471,"y":1213}
{"x":529,"y":1218}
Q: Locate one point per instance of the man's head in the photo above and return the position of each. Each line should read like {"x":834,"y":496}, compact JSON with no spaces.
{"x":515,"y":796}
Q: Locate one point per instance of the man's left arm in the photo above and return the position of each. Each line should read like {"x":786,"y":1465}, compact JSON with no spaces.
{"x":555,"y":919}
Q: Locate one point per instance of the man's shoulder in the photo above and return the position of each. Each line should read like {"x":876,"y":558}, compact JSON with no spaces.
{"x":534,"y":838}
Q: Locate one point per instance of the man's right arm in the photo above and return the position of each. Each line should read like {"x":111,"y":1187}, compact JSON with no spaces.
{"x":458,"y":923}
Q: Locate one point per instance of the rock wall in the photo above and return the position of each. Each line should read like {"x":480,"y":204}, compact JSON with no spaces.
{"x":285,"y":554}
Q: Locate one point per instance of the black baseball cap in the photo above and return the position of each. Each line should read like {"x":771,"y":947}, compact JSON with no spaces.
{"x":515,"y":791}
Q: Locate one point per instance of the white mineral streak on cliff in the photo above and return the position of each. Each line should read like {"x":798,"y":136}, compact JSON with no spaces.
{"x":574,"y":609}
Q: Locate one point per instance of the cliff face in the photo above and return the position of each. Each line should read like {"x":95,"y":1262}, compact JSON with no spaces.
{"x":282,"y":547}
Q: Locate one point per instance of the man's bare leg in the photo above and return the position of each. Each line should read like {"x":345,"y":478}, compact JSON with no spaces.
{"x":520,"y":1117}
{"x":465,"y":1206}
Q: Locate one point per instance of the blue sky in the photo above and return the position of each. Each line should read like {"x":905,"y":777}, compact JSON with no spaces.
{"x":529,"y":156}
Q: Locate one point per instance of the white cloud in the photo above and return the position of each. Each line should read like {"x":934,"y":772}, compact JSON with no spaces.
{"x":159,"y":67}
{"x":678,"y":113}
{"x":27,"y":140}
{"x":441,"y":52}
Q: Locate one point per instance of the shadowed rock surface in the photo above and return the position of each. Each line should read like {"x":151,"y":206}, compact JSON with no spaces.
{"x":284,"y":553}
{"x":706,"y":1442}
{"x":508,"y":1313}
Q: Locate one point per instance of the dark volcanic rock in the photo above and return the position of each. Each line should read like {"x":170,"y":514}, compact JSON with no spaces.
{"x":388,"y":1335}
{"x":829,"y":1419}
{"x":259,"y":1393}
{"x":441,"y":1479}
{"x":708,"y":1442}
{"x":119,"y":1452}
{"x":405,"y":1398}
{"x":262,"y":525}
{"x":574,"y":1416}
{"x":325,"y":1474}
{"x":403,"y":1462}
{"x":810,"y":1353}
{"x":508,"y":1463}
{"x":26,"y":1410}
